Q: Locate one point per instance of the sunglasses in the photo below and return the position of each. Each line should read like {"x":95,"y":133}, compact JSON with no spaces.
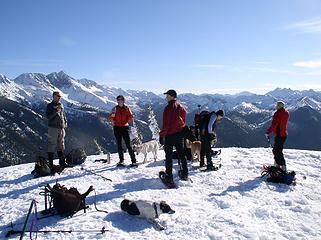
{"x":120,"y":99}
{"x":58,"y":96}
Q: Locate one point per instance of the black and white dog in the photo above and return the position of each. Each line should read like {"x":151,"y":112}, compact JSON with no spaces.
{"x":148,"y":210}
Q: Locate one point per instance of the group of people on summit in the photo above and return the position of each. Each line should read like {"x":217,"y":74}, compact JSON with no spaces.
{"x":172,"y":133}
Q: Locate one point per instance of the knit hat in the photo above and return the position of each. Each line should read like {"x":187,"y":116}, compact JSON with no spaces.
{"x":280,"y":104}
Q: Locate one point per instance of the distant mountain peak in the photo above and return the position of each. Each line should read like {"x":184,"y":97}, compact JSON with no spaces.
{"x":3,"y":78}
{"x":31,"y":78}
{"x":60,"y":79}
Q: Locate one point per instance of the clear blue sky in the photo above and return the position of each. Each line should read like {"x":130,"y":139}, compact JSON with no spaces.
{"x":193,"y":46}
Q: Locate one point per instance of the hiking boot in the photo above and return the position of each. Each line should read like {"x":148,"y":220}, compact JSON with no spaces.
{"x":169,"y":181}
{"x":50,"y":162}
{"x":121,"y":164}
{"x":62,"y":159}
{"x":202,"y":165}
{"x":182,"y":176}
{"x":211,"y":168}
{"x":283,"y":168}
{"x":133,"y":165}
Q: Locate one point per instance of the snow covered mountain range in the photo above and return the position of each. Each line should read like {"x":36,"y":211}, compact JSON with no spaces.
{"x":231,"y":203}
{"x":23,"y":124}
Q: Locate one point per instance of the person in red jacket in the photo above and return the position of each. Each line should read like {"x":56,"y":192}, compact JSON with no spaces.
{"x":279,"y":127}
{"x":174,"y":118}
{"x":121,"y":115}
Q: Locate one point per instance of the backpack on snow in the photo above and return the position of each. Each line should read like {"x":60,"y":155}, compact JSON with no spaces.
{"x":277,"y":175}
{"x":67,"y":201}
{"x":41,"y":168}
{"x":76,"y":156}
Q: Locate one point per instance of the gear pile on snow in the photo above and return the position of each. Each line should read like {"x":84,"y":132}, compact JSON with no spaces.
{"x":277,"y":175}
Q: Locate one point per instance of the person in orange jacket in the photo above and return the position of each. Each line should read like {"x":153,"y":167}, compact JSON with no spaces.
{"x":121,"y":116}
{"x":279,"y":127}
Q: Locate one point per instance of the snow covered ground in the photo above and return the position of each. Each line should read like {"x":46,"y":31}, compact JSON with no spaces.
{"x":232,"y":203}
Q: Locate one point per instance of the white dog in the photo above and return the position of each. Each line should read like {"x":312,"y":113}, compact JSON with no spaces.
{"x":145,"y":148}
{"x":195,"y":148}
{"x":148,"y":210}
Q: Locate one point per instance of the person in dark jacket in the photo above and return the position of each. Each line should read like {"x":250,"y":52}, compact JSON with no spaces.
{"x":121,"y":116}
{"x":279,"y":127}
{"x":207,"y":135}
{"x":174,"y":118}
{"x":57,"y":123}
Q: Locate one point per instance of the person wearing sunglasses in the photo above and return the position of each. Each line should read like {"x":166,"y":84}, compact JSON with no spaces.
{"x":121,"y":116}
{"x":57,"y":123}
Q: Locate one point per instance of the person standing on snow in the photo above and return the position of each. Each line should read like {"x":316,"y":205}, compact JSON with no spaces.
{"x":207,"y":136}
{"x":57,"y":123}
{"x":279,"y":127}
{"x":121,"y":116}
{"x":174,"y":118}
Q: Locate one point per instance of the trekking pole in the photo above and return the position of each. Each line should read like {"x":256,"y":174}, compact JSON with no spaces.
{"x":26,"y":221}
{"x":92,"y":172}
{"x":269,"y":141}
{"x":13,"y":232}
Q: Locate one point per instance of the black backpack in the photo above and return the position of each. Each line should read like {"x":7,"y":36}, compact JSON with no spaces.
{"x":67,"y":201}
{"x":202,"y":119}
{"x":41,"y":168}
{"x":76,"y":156}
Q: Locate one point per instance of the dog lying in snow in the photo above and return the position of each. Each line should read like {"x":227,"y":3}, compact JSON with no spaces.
{"x":195,"y":148}
{"x":145,"y":148}
{"x":148,"y":210}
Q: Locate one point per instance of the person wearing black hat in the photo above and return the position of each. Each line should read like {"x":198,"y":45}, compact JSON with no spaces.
{"x":207,"y":136}
{"x":174,"y":118}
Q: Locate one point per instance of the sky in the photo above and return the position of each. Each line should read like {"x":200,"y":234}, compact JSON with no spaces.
{"x":200,"y":46}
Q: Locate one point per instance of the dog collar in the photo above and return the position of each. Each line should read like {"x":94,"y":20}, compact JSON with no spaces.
{"x":155,"y":208}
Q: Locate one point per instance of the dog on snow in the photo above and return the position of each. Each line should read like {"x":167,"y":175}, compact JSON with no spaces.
{"x":150,"y":146}
{"x":147,"y":210}
{"x":195,"y":148}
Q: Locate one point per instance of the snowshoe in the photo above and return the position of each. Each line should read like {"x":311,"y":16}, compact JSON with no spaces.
{"x":277,"y":175}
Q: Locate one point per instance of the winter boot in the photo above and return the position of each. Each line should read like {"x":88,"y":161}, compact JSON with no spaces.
{"x":62,"y":159}
{"x":50,"y":161}
{"x":283,"y":167}
{"x":120,"y":163}
{"x":133,"y":165}
{"x":183,"y":176}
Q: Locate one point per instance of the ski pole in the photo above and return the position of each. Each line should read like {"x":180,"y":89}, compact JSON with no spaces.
{"x":268,"y":139}
{"x":13,"y":232}
{"x":26,"y":221}
{"x":92,"y":172}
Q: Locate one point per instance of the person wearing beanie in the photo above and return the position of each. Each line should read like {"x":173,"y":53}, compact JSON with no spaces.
{"x":279,"y":127}
{"x":207,"y":136}
{"x":174,"y":118}
{"x":121,"y":116}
